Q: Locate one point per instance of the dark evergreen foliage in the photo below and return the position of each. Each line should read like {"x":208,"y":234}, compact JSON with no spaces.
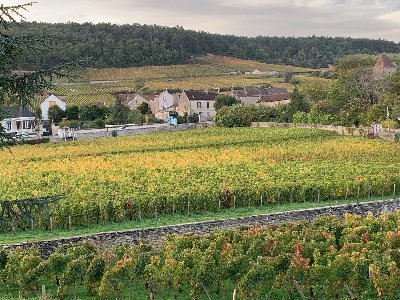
{"x":110,"y":45}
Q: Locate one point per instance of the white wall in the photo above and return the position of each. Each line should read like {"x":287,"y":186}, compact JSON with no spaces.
{"x":46,"y":105}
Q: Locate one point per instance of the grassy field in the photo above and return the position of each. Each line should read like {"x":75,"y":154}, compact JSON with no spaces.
{"x":209,"y":72}
{"x":195,"y":172}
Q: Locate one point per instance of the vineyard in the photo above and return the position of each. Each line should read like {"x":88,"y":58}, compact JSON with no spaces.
{"x":355,"y":258}
{"x":208,"y":170}
{"x":95,"y":86}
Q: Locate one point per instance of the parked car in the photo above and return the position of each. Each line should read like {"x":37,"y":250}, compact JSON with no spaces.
{"x":124,"y":127}
{"x":21,"y":135}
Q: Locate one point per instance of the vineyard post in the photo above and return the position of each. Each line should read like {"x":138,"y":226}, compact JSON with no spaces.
{"x":44,"y":297}
{"x":204,"y":206}
{"x":349,"y":291}
{"x":261,"y":200}
{"x":51,"y":223}
{"x":394,"y":191}
{"x":234,"y":294}
{"x":204,"y":288}
{"x":155,"y":211}
{"x":347,"y":193}
{"x":358,"y":195}
{"x":249,"y":202}
{"x":219,"y":204}
{"x":69,"y":222}
{"x":319,"y":196}
{"x":173,"y":208}
{"x":234,"y":202}
{"x":32,"y":224}
{"x":291,"y":195}
{"x":20,"y":295}
{"x":297,"y":286}
{"x":383,"y":191}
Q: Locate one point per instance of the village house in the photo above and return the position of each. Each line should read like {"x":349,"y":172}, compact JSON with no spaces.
{"x":256,"y":95}
{"x":133,"y":101}
{"x":163,"y":104}
{"x":50,"y":102}
{"x":274,"y":97}
{"x":384,"y":67}
{"x":198,"y":102}
{"x":17,"y":121}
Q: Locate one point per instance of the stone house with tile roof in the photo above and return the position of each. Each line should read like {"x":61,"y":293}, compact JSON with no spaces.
{"x":198,"y":102}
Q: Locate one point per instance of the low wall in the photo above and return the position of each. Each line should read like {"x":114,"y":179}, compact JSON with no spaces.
{"x":82,"y":136}
{"x":342,"y":130}
{"x":154,"y":235}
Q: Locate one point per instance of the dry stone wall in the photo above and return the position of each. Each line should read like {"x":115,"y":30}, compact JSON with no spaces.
{"x":155,"y":235}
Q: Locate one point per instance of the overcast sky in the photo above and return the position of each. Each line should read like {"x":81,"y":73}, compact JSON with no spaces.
{"x":355,"y":18}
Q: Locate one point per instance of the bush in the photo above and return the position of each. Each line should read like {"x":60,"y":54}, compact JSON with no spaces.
{"x":114,"y":133}
{"x":193,"y":118}
{"x":135,"y":117}
{"x":235,"y":116}
{"x":397,"y":137}
{"x":300,"y":117}
{"x":153,"y":120}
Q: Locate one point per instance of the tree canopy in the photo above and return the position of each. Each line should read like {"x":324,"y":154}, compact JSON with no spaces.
{"x":109,"y":45}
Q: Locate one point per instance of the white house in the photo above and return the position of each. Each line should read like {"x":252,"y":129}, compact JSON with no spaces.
{"x":50,"y":102}
{"x":166,"y":101}
{"x":163,"y":104}
{"x":16,"y":121}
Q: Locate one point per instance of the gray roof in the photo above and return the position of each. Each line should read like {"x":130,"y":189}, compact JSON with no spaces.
{"x":13,"y":113}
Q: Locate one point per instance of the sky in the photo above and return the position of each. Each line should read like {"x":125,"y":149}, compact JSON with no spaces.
{"x":354,"y":18}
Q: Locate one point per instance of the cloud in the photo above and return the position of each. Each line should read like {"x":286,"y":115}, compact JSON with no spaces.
{"x":393,"y":17}
{"x":356,"y":18}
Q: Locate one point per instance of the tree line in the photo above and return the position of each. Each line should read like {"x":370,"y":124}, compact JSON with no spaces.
{"x":107,"y":45}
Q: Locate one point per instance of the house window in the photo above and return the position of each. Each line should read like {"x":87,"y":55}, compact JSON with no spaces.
{"x":26,"y":124}
{"x":165,"y":98}
{"x":19,"y":125}
{"x":8,"y":125}
{"x":208,"y":104}
{"x":198,"y":104}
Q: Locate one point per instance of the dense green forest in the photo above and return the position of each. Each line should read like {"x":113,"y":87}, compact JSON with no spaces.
{"x":108,"y":45}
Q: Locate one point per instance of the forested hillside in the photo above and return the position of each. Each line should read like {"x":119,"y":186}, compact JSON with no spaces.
{"x":110,"y":45}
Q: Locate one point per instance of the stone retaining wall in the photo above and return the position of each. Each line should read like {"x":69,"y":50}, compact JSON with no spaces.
{"x":154,"y":235}
{"x":82,"y":136}
{"x":342,"y":130}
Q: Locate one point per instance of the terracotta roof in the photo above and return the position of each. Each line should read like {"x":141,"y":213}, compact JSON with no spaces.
{"x":201,"y":95}
{"x":383,"y":62}
{"x":275,"y":94}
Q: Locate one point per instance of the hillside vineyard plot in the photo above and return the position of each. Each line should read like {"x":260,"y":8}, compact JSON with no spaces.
{"x":193,"y":172}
